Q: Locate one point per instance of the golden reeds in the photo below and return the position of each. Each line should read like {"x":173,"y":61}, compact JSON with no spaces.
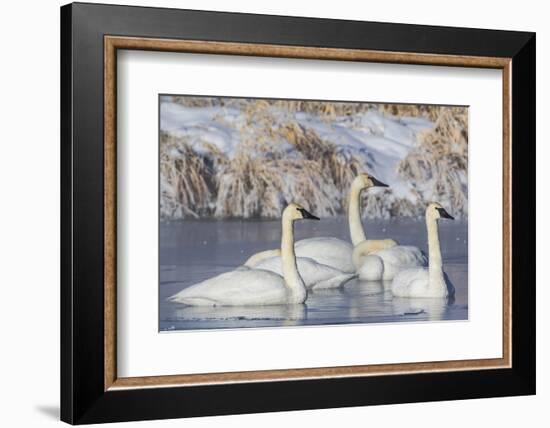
{"x":188,"y":181}
{"x":279,"y":159}
{"x":439,"y":164}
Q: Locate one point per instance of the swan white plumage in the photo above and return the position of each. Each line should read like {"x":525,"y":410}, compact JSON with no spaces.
{"x":385,"y":264}
{"x":257,"y":258}
{"x":315,"y":275}
{"x":356,"y":230}
{"x":335,"y":252}
{"x":430,"y":281}
{"x":245,"y":286}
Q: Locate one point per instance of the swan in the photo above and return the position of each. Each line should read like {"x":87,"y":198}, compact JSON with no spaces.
{"x":335,"y":252}
{"x":385,"y":264}
{"x":357,"y":232}
{"x":250,"y":286}
{"x":315,"y":275}
{"x":257,"y":258}
{"x":430,"y":281}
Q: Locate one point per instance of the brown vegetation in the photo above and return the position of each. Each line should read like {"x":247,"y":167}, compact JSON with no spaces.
{"x":258,"y":179}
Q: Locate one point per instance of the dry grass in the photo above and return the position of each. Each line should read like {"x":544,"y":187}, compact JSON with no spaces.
{"x":188,"y":181}
{"x":430,"y":112}
{"x":260,"y":177}
{"x":441,"y":160}
{"x":341,"y":171}
{"x":254,"y":187}
{"x":320,"y":108}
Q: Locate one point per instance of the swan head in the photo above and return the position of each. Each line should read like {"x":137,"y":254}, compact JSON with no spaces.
{"x":436,"y":211}
{"x":365,"y":180}
{"x":297,"y":212}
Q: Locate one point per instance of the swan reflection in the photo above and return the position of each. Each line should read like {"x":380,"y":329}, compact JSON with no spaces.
{"x":374,"y":299}
{"x":426,"y":309}
{"x":288,"y":314}
{"x":367,"y":288}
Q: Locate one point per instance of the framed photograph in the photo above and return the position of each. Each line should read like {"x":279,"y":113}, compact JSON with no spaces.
{"x":266,"y":213}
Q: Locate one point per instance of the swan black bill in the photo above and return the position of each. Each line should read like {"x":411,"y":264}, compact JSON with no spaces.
{"x":444,"y":214}
{"x":307,"y":215}
{"x":377,"y":183}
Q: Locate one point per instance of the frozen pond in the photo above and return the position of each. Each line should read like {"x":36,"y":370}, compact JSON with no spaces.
{"x":191,"y":251}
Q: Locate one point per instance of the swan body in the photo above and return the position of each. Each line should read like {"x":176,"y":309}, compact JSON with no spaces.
{"x":430,"y":281}
{"x":246,"y":286}
{"x":370,"y":268}
{"x":236,"y":288}
{"x":332,"y":252}
{"x":315,"y":275}
{"x":253,"y":260}
{"x":416,"y":283}
{"x":370,"y":246}
{"x":385,"y":264}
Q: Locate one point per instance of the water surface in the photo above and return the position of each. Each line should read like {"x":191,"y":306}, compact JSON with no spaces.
{"x":194,"y":250}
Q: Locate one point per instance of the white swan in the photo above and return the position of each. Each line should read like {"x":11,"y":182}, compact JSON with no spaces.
{"x":430,"y":281}
{"x":335,"y":252}
{"x":385,"y":264}
{"x":257,"y":258}
{"x":315,"y":275}
{"x":357,"y":232}
{"x":245,"y":286}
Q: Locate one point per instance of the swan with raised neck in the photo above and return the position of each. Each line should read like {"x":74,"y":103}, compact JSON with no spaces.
{"x":357,"y":233}
{"x":245,"y":286}
{"x":293,"y":280}
{"x":431,"y":281}
{"x":435,"y":262}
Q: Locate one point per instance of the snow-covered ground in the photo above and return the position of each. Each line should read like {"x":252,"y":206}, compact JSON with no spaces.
{"x":369,"y":140}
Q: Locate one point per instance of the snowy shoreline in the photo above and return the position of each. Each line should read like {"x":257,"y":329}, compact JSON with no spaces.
{"x":245,"y":158}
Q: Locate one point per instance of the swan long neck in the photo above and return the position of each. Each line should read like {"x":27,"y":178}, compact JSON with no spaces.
{"x":356,"y":231}
{"x":293,"y":280}
{"x":434,"y":250}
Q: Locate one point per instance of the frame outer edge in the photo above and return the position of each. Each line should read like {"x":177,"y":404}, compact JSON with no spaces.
{"x":82,"y":401}
{"x":524,"y":219}
{"x":66,"y":304}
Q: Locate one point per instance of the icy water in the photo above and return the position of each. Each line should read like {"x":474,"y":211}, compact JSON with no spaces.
{"x":192,"y":251}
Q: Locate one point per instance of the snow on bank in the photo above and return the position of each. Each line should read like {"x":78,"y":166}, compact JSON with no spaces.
{"x":249,"y":153}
